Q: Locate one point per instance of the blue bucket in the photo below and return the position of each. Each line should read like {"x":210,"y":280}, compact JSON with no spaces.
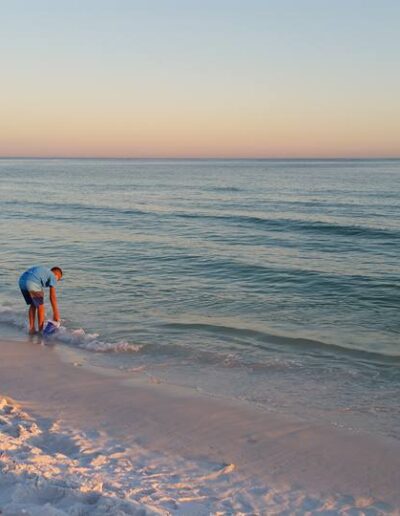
{"x":51,"y":327}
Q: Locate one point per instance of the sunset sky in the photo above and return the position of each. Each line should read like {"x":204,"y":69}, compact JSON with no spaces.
{"x":200,"y":78}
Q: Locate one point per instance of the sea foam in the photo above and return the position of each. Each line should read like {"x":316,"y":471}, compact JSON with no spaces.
{"x":73,"y":337}
{"x":92,"y":342}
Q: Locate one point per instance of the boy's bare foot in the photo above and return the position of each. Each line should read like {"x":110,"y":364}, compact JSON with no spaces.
{"x":32,"y":331}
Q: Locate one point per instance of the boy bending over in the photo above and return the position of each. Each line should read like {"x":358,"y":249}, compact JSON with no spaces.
{"x":32,"y":282}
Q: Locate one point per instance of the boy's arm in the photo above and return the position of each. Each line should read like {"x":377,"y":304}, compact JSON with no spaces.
{"x":54,"y":304}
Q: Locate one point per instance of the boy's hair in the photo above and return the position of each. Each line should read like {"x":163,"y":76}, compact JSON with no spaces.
{"x":57,"y":269}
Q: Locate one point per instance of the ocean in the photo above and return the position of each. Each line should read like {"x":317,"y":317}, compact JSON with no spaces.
{"x":276,"y":282}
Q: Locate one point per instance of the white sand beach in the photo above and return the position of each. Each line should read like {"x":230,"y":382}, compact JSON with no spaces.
{"x":76,"y":441}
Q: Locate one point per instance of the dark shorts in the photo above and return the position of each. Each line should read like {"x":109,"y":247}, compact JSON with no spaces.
{"x":33,"y":294}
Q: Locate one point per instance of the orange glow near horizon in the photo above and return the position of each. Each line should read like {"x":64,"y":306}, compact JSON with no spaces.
{"x":197,"y":135}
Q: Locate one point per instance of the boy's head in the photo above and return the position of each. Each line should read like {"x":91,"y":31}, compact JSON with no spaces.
{"x":58,"y":273}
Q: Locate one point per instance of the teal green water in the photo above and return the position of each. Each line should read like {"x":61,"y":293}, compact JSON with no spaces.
{"x":276,"y":282}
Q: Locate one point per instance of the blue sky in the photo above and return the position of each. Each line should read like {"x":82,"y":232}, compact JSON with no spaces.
{"x":202,"y":78}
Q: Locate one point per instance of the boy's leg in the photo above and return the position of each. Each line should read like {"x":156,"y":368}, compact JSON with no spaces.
{"x":41,"y":315}
{"x":38,"y":302}
{"x":32,"y":315}
{"x":32,"y":308}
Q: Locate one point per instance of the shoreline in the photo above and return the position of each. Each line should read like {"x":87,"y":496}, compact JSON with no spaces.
{"x":232,"y":440}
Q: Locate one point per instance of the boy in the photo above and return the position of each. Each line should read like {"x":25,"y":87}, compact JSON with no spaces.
{"x":31,"y":284}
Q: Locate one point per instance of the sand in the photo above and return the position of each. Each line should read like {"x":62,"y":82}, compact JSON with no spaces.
{"x":74,"y":440}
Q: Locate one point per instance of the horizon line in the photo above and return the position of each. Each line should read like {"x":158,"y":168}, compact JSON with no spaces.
{"x":216,"y":158}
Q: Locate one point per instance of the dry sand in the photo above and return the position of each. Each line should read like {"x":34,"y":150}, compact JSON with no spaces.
{"x":76,"y":441}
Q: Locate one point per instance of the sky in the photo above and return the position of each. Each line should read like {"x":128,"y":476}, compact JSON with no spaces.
{"x":200,"y":78}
